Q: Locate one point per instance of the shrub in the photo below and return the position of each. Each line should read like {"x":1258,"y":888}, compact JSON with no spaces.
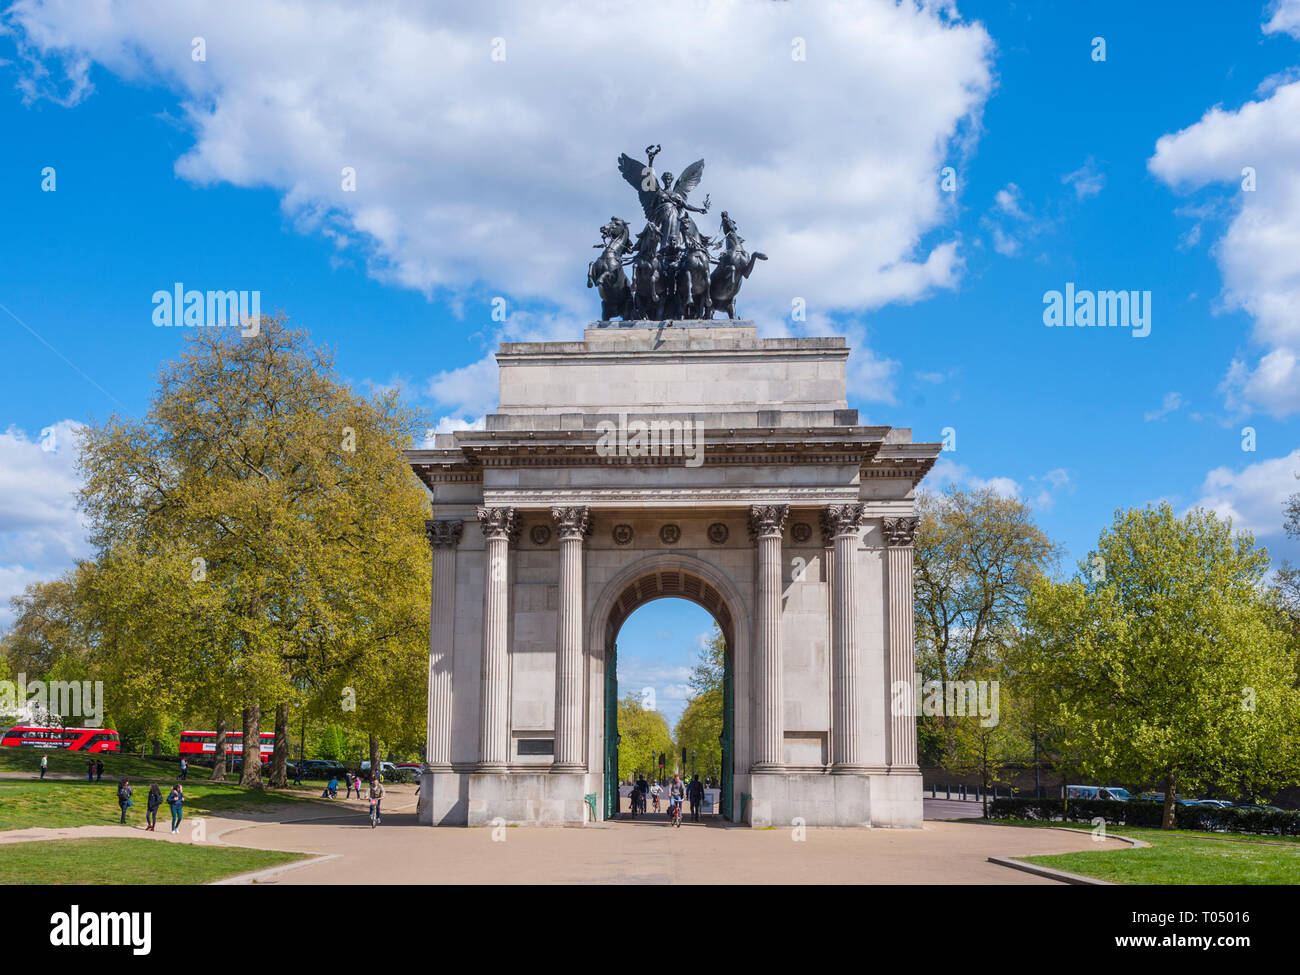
{"x":1141,"y":813}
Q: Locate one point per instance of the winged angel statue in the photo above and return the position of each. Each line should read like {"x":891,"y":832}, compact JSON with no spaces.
{"x":671,"y":258}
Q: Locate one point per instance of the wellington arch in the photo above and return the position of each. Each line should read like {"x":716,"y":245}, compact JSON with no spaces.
{"x":692,"y":460}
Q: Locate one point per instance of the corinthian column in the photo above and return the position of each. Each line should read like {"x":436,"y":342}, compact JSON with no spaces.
{"x":899,"y":533}
{"x":572,"y":525}
{"x":766,"y":524}
{"x":840,"y":524}
{"x":444,"y":536}
{"x":498,"y":525}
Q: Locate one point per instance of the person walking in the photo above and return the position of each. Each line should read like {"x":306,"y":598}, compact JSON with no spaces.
{"x":176,"y":799}
{"x":90,"y":770}
{"x":185,"y":769}
{"x":696,"y":794}
{"x":377,"y":794}
{"x":297,"y":772}
{"x":151,"y":806}
{"x":45,"y":764}
{"x":124,"y":798}
{"x":347,"y":777}
{"x":99,"y":770}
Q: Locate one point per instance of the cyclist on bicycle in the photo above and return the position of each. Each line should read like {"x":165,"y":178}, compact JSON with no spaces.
{"x":676,"y":793}
{"x":376,"y":796}
{"x":655,"y":791}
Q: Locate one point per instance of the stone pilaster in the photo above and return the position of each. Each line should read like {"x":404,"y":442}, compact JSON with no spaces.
{"x":840,"y":525}
{"x":766,"y":525}
{"x":499,"y":525}
{"x":899,"y":533}
{"x":444,"y":535}
{"x":572,"y":526}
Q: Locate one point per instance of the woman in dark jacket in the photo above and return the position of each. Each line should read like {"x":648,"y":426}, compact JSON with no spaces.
{"x":176,"y":799}
{"x":151,"y":806}
{"x":124,"y":797}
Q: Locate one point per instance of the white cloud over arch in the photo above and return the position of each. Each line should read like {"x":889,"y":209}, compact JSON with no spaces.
{"x":492,"y":177}
{"x":1257,"y":252}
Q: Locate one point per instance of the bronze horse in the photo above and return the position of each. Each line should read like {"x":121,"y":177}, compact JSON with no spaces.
{"x":647,"y":287}
{"x":693,"y":288}
{"x":734,"y":266}
{"x":606,"y":272}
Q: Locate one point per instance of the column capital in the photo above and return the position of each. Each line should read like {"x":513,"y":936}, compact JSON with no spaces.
{"x":767,"y":520}
{"x":443,"y":532}
{"x":900,"y":532}
{"x":498,"y":522}
{"x":572,"y":522}
{"x":841,"y":519}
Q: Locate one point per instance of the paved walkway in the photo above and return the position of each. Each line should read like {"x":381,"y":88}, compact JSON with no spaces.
{"x":638,"y":852}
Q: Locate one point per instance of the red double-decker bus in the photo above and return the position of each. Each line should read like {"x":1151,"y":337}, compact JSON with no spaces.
{"x":204,"y":743}
{"x":73,"y":739}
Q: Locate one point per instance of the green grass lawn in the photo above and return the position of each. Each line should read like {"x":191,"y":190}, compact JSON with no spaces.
{"x":129,"y":861}
{"x":1181,"y":857}
{"x":55,"y":803}
{"x":116,"y":764}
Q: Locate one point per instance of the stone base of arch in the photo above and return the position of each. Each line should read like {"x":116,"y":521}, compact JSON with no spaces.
{"x":884,"y":799}
{"x":507,"y":798}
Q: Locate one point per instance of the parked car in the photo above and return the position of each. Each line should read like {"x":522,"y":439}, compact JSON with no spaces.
{"x":319,"y":768}
{"x":1097,"y":792}
{"x":1254,"y":805}
{"x":1160,"y":797}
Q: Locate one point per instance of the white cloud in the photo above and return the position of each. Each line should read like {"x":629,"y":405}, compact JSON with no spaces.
{"x":1254,"y":498}
{"x":1257,"y":252}
{"x":1087,"y":180}
{"x":1008,"y":200}
{"x":1045,"y":488}
{"x":949,"y":472}
{"x":1284,"y":17}
{"x":1010,"y":221}
{"x":41,"y":533}
{"x":1171,"y":403}
{"x":491,"y":177}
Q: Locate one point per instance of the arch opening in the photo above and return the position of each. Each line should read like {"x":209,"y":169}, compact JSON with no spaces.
{"x":653,"y":579}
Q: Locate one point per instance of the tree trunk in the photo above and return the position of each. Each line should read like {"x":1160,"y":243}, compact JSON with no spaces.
{"x":280,"y":753}
{"x":1167,"y":820}
{"x":219,"y":756}
{"x":374,"y":756}
{"x":251,"y":776}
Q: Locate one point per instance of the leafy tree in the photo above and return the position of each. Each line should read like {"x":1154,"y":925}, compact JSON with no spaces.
{"x":1164,"y":660}
{"x":641,"y":732}
{"x":1286,"y":587}
{"x":270,"y":506}
{"x":698,"y":730}
{"x":975,"y":558}
{"x":700,"y":725}
{"x":48,"y":626}
{"x":710,"y":665}
{"x":987,"y":744}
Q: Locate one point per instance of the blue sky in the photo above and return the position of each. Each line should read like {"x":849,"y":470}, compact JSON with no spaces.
{"x":480,"y":177}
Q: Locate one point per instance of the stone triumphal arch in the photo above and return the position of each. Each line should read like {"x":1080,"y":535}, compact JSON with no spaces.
{"x":694,"y":460}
